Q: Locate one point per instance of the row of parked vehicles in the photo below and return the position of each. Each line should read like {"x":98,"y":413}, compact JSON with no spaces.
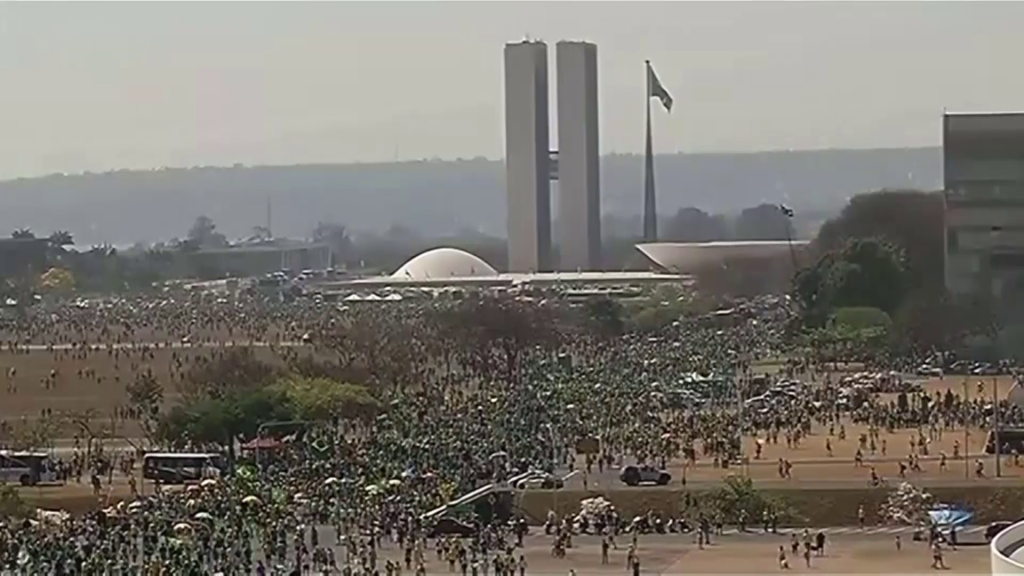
{"x":965,"y":368}
{"x":630,"y":476}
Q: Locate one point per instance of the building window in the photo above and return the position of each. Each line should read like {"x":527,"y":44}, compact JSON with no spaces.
{"x":952,"y":242}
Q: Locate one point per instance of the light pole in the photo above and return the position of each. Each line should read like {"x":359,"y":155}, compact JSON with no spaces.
{"x":995,"y":425}
{"x":967,"y":440}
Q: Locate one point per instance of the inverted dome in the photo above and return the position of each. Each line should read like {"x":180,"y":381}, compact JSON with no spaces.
{"x":442,"y":263}
{"x":688,"y":256}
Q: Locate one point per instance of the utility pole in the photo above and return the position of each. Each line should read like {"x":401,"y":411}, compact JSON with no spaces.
{"x":737,"y":376}
{"x":269,"y":229}
{"x":995,"y":424}
{"x":967,"y":439}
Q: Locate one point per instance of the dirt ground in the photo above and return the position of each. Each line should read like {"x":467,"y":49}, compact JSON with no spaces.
{"x":812,"y":462}
{"x":34,"y":380}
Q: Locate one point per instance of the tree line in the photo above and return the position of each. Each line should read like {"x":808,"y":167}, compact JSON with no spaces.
{"x":107,"y":269}
{"x":873,"y":285}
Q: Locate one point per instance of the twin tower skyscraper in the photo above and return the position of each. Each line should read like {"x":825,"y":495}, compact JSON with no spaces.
{"x":532,"y":165}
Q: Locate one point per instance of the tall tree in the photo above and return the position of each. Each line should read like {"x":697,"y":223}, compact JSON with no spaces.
{"x":204,"y":233}
{"x":260,"y":234}
{"x":501,"y":331}
{"x":321,"y":399}
{"x":910,"y":219}
{"x":227,"y":372}
{"x":762,"y":222}
{"x":62,"y":238}
{"x":145,"y":399}
{"x":695,"y":225}
{"x":864,"y":273}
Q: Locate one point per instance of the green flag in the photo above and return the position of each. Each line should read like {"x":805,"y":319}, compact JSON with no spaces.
{"x":657,"y":90}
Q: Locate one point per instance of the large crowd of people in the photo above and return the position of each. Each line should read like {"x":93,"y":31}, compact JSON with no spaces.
{"x":470,"y":412}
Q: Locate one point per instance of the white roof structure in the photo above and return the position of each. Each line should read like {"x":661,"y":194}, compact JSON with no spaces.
{"x":442,"y":263}
{"x":689,"y":256}
{"x":511,"y":280}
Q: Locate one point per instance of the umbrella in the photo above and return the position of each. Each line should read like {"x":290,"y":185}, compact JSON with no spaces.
{"x":394,"y":482}
{"x":203,"y":516}
{"x":499,"y":454}
{"x":330,"y":481}
{"x":182,"y":527}
{"x":251,"y":500}
{"x":208,"y":483}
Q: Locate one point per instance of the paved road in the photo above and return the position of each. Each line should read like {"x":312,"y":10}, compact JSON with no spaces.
{"x":853,"y":531}
{"x":609,"y":480}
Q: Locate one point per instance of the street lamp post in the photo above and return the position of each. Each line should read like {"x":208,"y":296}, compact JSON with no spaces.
{"x":995,"y":425}
{"x":967,"y":439}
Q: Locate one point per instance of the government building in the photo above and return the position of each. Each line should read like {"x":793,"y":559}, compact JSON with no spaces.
{"x":983,"y":170}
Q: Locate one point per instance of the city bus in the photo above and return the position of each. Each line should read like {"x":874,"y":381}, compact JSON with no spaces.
{"x":1010,"y":439}
{"x":26,"y":468}
{"x":178,"y":467}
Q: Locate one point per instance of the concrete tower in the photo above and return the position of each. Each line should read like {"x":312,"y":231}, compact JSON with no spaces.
{"x":526,"y":157}
{"x":579,"y":186}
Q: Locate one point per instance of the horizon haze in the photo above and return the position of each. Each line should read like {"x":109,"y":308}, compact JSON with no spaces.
{"x":106,"y":86}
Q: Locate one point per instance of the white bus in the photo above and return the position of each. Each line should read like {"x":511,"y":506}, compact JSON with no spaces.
{"x":26,"y":468}
{"x":181,"y":467}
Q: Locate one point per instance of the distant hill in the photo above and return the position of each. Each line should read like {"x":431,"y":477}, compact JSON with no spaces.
{"x":433,"y":197}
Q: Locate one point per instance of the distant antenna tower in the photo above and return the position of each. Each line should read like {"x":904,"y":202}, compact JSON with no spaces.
{"x":269,"y":229}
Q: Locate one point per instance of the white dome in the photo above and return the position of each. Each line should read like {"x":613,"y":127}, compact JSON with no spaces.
{"x":441,"y":263}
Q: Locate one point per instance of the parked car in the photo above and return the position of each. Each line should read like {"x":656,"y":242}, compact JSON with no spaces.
{"x":636,"y":475}
{"x":995,"y":528}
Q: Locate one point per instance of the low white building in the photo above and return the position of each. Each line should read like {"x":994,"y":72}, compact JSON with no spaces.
{"x":1007,"y":550}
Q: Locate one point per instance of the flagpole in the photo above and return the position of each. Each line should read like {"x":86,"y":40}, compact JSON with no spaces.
{"x":789,"y":242}
{"x":650,"y":219}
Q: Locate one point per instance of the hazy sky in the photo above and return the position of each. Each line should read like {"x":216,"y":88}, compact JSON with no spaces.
{"x":99,"y":86}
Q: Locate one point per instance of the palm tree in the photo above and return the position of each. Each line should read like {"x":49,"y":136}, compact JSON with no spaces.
{"x":23,"y":234}
{"x":62,"y":238}
{"x":261,"y":234}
